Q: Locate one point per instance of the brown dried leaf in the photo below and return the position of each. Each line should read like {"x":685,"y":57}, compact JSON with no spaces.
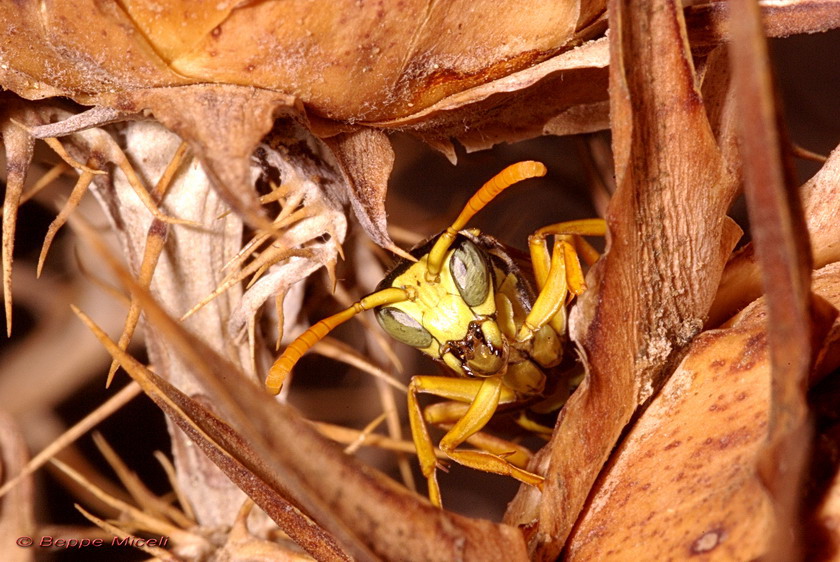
{"x":679,"y":488}
{"x":780,"y":237}
{"x":667,"y":222}
{"x":366,"y":158}
{"x":394,"y":58}
{"x":480,"y":73}
{"x":396,"y":63}
{"x":741,"y":281}
{"x":563,"y":95}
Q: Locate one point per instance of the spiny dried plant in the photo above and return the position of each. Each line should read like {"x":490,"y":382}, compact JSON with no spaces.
{"x":226,"y":146}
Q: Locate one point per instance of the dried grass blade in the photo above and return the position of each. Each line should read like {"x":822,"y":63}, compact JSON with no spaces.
{"x":149,"y":502}
{"x":137,"y":516}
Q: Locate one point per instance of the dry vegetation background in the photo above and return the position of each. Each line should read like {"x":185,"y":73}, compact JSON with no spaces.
{"x":707,"y":424}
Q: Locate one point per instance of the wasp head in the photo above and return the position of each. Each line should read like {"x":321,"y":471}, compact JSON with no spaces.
{"x":453,"y":317}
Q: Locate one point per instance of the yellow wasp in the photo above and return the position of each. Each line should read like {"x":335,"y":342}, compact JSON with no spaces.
{"x":465,"y":303}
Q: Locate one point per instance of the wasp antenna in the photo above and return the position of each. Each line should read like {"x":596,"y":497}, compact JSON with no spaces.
{"x":318,"y":331}
{"x":514,"y":173}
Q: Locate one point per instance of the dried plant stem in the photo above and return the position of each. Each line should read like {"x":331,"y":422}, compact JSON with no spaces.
{"x":779,"y":234}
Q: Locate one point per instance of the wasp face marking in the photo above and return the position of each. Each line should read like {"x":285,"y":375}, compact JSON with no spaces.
{"x":479,"y":354}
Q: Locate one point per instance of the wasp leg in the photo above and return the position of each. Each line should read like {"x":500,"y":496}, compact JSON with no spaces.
{"x":527,"y":423}
{"x":445,"y":414}
{"x":483,"y":397}
{"x":554,"y":280}
{"x":572,"y":233}
{"x":559,"y":275}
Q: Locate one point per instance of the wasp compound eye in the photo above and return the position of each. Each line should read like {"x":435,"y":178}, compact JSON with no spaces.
{"x":470,"y":273}
{"x":403,"y":327}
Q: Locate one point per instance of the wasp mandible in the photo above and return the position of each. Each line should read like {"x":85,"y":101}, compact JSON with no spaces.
{"x":468,"y":305}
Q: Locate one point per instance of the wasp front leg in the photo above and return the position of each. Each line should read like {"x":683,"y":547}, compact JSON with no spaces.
{"x":559,"y":275}
{"x":444,"y":415}
{"x":483,"y":397}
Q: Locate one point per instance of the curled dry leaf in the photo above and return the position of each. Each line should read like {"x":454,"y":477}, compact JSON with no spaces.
{"x":221,"y":78}
{"x":741,"y":281}
{"x":397,"y":60}
{"x":647,"y":297}
{"x":366,"y":158}
{"x":686,"y":479}
{"x":481,"y":73}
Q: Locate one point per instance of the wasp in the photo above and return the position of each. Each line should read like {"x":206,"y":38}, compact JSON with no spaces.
{"x":467,"y":304}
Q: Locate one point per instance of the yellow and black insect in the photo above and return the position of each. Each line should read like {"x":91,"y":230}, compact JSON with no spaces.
{"x":466,"y":303}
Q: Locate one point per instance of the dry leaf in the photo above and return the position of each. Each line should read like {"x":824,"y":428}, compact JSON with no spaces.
{"x":366,"y":158}
{"x":686,"y":479}
{"x":647,"y":298}
{"x":741,"y":282}
{"x":397,"y":60}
